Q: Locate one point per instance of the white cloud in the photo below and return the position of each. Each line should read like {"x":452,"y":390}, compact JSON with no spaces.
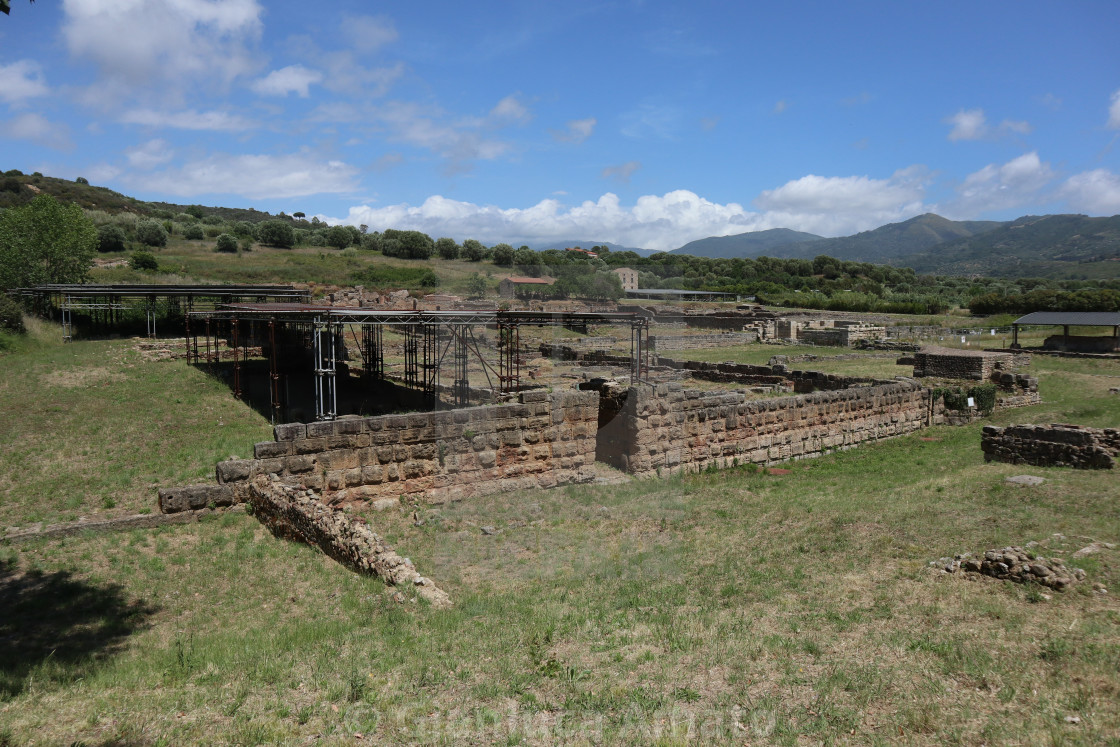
{"x":825,"y":206}
{"x":510,"y":109}
{"x":188,"y":120}
{"x":149,"y":155}
{"x":1095,"y":192}
{"x":290,"y":79}
{"x":21,"y":80}
{"x":973,"y":125}
{"x":781,"y":106}
{"x":345,"y":75}
{"x":577,"y":131}
{"x":622,"y":172}
{"x":1114,"y":112}
{"x":161,"y":41}
{"x":968,"y":125}
{"x":38,"y":129}
{"x":253,"y":176}
{"x":369,"y":33}
{"x":994,"y":187}
{"x":424,"y":127}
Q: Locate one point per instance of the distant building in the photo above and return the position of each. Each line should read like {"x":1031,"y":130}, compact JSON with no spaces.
{"x":581,"y":251}
{"x":628,"y":277}
{"x":514,"y":286}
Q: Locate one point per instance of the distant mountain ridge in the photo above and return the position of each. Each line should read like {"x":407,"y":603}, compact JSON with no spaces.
{"x":753,"y":244}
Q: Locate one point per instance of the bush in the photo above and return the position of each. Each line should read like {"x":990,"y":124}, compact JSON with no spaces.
{"x":472,"y":250}
{"x":111,"y":238}
{"x":447,"y":248}
{"x":338,"y":237}
{"x":194,"y":232}
{"x":503,"y":255}
{"x":226,"y":243}
{"x":8,"y":184}
{"x":11,"y":315}
{"x":151,"y":233}
{"x":81,"y":180}
{"x":406,"y":244}
{"x":143,"y":261}
{"x":384,"y":276}
{"x":276,"y":233}
{"x":371,"y":242}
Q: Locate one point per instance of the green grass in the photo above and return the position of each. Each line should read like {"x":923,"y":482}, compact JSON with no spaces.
{"x":725,"y":607}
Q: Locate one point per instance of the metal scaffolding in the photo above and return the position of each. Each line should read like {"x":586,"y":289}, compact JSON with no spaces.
{"x":428,"y":337}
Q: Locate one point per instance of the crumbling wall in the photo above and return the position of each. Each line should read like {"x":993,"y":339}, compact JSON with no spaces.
{"x":545,"y":439}
{"x":701,"y":342}
{"x":666,"y":428}
{"x":1057,"y":445}
{"x":296,"y":514}
{"x":960,"y":364}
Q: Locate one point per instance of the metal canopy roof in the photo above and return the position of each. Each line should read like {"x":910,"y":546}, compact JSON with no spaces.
{"x":1072,"y":318}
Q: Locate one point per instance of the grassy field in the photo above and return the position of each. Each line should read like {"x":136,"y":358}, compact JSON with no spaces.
{"x":723,"y":608}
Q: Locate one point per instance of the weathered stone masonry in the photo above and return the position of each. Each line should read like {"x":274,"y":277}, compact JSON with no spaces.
{"x":1052,"y":445}
{"x":670,"y":429}
{"x":546,"y":439}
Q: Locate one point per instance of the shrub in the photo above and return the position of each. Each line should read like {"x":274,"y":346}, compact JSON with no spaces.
{"x":143,"y":261}
{"x":226,"y":243}
{"x":383,"y":276}
{"x":151,"y":233}
{"x":13,"y":172}
{"x":110,"y":238}
{"x":447,"y":248}
{"x":276,"y":233}
{"x":194,"y":232}
{"x":246,"y":243}
{"x":81,"y":180}
{"x":338,"y":237}
{"x":8,"y":184}
{"x":371,"y":241}
{"x":11,"y":315}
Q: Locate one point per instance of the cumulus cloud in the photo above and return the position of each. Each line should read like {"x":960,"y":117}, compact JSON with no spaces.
{"x":21,"y":80}
{"x":39,"y":130}
{"x":833,"y":206}
{"x":188,"y":120}
{"x":999,"y":187}
{"x":369,"y":33}
{"x":256,"y":177}
{"x":153,"y":41}
{"x":576,"y":131}
{"x":972,"y":124}
{"x":510,"y":109}
{"x":149,"y":155}
{"x":622,"y":172}
{"x":1095,"y":192}
{"x":1114,"y":112}
{"x":290,"y":79}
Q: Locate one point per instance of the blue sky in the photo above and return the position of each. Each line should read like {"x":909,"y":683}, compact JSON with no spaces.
{"x":647,"y":124}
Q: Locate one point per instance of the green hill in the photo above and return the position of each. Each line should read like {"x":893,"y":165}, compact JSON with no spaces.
{"x":1066,"y":246}
{"x":751,"y":244}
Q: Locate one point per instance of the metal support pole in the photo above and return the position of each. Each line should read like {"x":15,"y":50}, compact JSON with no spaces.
{"x":273,"y":371}
{"x":236,"y":358}
{"x":323,"y":338}
{"x":462,"y":386}
{"x":67,"y":323}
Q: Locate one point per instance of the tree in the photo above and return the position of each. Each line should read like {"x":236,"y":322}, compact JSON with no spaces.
{"x":299,"y":215}
{"x":371,"y":241}
{"x":151,"y":232}
{"x":226,"y":243}
{"x":447,"y":248}
{"x":277,"y":233}
{"x":45,"y":241}
{"x":406,"y":244}
{"x":503,"y":255}
{"x":110,"y":238}
{"x":195,"y":210}
{"x":472,"y":250}
{"x":338,"y":237}
{"x":477,"y":286}
{"x":194,"y":233}
{"x":81,"y":180}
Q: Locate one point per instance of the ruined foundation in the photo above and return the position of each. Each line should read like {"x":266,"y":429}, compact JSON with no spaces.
{"x":1057,"y":445}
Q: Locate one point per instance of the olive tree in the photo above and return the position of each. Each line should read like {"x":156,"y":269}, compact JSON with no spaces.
{"x":45,"y":241}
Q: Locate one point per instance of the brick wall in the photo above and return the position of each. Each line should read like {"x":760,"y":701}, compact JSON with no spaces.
{"x":668,"y":429}
{"x":545,"y":439}
{"x":1056,"y":445}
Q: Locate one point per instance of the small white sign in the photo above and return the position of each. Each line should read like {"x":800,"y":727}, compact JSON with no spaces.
{"x":971,"y":402}
{"x":993,"y":333}
{"x":963,"y":340}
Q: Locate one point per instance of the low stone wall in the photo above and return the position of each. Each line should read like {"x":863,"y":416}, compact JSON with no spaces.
{"x":1057,"y":445}
{"x":801,"y":381}
{"x":701,"y":342}
{"x":545,"y":439}
{"x":666,"y":429}
{"x":959,"y":364}
{"x":295,"y":514}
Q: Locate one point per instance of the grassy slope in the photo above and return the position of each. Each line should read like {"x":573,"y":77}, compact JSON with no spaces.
{"x":747,"y":607}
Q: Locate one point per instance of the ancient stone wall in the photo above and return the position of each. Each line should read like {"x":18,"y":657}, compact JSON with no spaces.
{"x":1056,"y":445}
{"x":701,"y":342}
{"x":959,"y":364}
{"x":545,"y":439}
{"x":666,"y":429}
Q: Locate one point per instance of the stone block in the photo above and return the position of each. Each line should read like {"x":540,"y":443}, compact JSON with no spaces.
{"x":289,"y":431}
{"x":234,"y":470}
{"x":318,"y":430}
{"x":310,"y":445}
{"x":270,"y":449}
{"x":298,"y":464}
